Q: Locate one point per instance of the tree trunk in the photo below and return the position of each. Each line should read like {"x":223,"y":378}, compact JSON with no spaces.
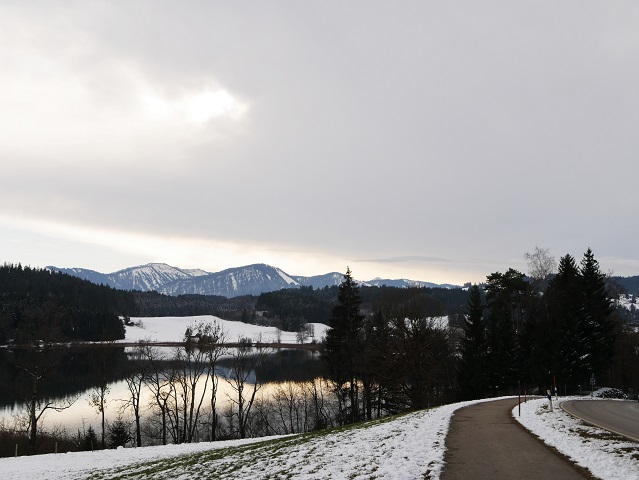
{"x":213,"y":411}
{"x":33,"y":419}
{"x":138,"y":429}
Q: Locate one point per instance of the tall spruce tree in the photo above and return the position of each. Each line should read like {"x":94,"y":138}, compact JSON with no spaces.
{"x":472,"y":367}
{"x":506,"y":296}
{"x":343,"y":346}
{"x":578,"y":330}
{"x":597,"y":322}
{"x":562,"y":345}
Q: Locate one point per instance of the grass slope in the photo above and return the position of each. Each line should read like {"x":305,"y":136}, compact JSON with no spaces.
{"x":405,"y":446}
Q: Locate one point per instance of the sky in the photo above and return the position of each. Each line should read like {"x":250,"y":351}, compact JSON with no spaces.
{"x":435,"y":141}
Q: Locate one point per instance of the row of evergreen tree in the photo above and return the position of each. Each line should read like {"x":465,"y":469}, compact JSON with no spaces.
{"x":534,"y":332}
{"x":551,"y":332}
{"x":397,"y":358}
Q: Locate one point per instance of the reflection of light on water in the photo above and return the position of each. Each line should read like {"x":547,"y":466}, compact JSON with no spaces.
{"x":81,"y":415}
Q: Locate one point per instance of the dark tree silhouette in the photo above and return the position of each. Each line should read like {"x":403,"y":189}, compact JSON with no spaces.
{"x":472,"y":364}
{"x":342,"y":347}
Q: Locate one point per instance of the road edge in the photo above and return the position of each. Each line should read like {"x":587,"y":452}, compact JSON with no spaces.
{"x":593,"y":424}
{"x":581,"y":470}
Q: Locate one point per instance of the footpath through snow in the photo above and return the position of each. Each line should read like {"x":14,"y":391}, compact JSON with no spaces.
{"x":408,"y":447}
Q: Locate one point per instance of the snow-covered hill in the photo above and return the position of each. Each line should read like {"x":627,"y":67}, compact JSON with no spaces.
{"x":149,"y":277}
{"x":172,"y":329}
{"x":321,"y":281}
{"x":152,"y":276}
{"x":233,"y":282}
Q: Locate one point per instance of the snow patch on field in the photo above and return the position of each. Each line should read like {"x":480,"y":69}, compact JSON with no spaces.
{"x":172,"y":329}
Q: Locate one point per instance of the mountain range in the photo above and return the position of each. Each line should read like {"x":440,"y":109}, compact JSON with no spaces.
{"x":233,"y":282}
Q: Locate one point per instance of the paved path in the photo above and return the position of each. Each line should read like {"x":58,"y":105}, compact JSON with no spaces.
{"x":484,"y":442}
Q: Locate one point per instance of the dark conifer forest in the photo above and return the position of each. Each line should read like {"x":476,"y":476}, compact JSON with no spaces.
{"x":554,"y":332}
{"x":42,"y":306}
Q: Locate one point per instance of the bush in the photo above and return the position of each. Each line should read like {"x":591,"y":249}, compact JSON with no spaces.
{"x":119,"y":434}
{"x":608,"y":392}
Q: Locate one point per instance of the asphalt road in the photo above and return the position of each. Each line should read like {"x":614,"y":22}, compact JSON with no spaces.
{"x":621,"y":417}
{"x":485,"y":442}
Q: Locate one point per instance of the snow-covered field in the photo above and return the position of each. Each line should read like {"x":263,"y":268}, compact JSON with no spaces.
{"x":406,"y":447}
{"x":172,"y":329}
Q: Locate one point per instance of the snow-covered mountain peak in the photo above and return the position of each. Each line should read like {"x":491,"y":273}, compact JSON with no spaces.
{"x":247,"y":280}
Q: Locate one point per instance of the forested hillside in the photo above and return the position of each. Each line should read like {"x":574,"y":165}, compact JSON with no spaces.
{"x":154,"y":304}
{"x":41,"y":306}
{"x":291,"y":308}
{"x":629,"y":285}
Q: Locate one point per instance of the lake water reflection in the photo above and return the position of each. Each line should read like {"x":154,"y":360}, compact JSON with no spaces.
{"x":73,"y":374}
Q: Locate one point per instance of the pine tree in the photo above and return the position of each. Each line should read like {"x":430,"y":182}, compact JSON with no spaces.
{"x":562,"y":345}
{"x":90,"y":440}
{"x":471,"y":367}
{"x":119,"y":434}
{"x":579,"y":331}
{"x":378,"y":358}
{"x":506,"y":296}
{"x":343,"y":347}
{"x":596,"y":319}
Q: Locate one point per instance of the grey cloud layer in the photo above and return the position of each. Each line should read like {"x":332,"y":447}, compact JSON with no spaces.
{"x":411,"y":130}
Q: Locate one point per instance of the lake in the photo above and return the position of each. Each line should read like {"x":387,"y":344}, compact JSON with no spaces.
{"x":74,"y":373}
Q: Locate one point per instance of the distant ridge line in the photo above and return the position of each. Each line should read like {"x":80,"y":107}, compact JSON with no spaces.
{"x":251,"y":279}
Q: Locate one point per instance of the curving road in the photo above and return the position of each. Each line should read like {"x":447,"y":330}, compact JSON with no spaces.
{"x":485,"y":442}
{"x":620,"y":417}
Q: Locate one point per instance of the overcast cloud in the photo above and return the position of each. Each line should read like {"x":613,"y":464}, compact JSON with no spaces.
{"x":437,"y":141}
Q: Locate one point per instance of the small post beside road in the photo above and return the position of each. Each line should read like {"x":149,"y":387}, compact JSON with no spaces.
{"x":519,"y":394}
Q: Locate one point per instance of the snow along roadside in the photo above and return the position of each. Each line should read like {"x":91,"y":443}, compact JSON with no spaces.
{"x":606,"y":456}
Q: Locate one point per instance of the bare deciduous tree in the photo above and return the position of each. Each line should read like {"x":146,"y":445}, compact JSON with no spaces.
{"x":541,"y":264}
{"x":158,"y":380}
{"x":98,"y":395}
{"x":245,"y":382}
{"x":136,"y":377}
{"x":212,"y":339}
{"x":192,"y":363}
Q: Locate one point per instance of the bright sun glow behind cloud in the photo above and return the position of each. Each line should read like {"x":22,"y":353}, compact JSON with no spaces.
{"x":196,"y":107}
{"x":211,"y":104}
{"x":118,"y":111}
